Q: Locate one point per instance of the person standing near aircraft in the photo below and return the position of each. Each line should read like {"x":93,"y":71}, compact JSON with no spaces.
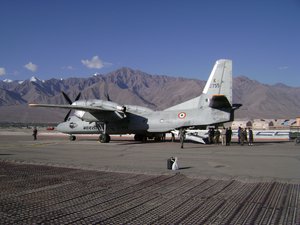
{"x":182,"y":137}
{"x":239,"y":135}
{"x":242,"y":137}
{"x":246,"y":134}
{"x":228,"y":136}
{"x":250,"y":133}
{"x":223,"y":136}
{"x":34,"y":133}
{"x":211,"y":135}
{"x":217,"y":136}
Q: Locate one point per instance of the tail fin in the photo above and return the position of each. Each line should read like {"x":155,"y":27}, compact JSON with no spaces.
{"x":217,"y":91}
{"x":220,"y":80}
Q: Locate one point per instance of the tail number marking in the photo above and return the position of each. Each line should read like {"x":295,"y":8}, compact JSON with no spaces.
{"x":215,"y":85}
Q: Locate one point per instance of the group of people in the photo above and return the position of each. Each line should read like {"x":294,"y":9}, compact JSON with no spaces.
{"x":214,"y":136}
{"x":244,"y":136}
{"x":225,"y":134}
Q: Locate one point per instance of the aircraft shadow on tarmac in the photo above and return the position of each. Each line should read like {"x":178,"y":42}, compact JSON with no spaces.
{"x":130,"y":142}
{"x":185,"y":168}
{"x":196,"y":145}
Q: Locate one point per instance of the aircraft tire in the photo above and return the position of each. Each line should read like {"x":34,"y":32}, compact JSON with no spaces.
{"x":157,"y":139}
{"x":104,"y":138}
{"x":139,"y":137}
{"x":144,"y":139}
{"x":107,"y":138}
{"x":72,"y":138}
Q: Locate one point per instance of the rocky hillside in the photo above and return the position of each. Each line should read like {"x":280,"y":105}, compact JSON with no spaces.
{"x":127,"y":86}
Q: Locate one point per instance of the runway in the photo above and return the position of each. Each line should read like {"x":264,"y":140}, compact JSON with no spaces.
{"x":55,"y":181}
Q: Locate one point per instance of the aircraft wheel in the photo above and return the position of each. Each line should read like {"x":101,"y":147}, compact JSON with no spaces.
{"x":139,"y":137}
{"x":107,"y":138}
{"x":72,"y":138}
{"x":144,"y":138}
{"x":104,"y":138}
{"x":157,"y":139}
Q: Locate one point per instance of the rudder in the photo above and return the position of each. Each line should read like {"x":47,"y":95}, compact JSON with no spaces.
{"x":220,"y":80}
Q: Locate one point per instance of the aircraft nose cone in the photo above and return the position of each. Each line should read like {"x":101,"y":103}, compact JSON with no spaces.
{"x":60,"y":127}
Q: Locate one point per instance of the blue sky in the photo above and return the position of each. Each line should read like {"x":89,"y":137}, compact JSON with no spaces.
{"x":63,"y":38}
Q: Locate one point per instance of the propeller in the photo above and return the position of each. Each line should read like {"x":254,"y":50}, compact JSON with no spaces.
{"x":70,"y":102}
{"x":107,"y":97}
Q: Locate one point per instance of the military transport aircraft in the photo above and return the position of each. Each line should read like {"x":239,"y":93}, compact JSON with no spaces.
{"x":213,"y":106}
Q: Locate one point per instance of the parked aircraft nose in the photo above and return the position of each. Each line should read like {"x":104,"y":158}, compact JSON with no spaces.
{"x":61,"y":127}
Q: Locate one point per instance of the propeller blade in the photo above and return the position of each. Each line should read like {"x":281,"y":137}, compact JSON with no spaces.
{"x":70,"y":102}
{"x":107,"y":97}
{"x":67,"y":98}
{"x":78,"y":96}
{"x":67,"y":116}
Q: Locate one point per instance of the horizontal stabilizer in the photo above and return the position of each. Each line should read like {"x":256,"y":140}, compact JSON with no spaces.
{"x":219,"y":102}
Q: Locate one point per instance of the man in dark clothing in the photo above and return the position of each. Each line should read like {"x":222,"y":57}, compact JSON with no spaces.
{"x":34,"y":133}
{"x":211,"y":135}
{"x":246,"y":135}
{"x":242,"y":137}
{"x":239,"y":135}
{"x":217,"y":136}
{"x":250,"y":133}
{"x":228,"y":135}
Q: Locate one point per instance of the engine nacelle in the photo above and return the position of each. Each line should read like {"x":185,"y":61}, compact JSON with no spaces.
{"x":108,"y":111}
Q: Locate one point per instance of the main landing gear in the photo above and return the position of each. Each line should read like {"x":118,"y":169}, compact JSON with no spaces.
{"x":104,"y":137}
{"x":139,"y":137}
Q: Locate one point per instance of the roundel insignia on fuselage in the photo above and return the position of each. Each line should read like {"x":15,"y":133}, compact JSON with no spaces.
{"x":181,"y":115}
{"x":72,"y":125}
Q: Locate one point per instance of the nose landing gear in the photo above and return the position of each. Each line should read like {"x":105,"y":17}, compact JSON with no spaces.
{"x":72,"y":138}
{"x":104,"y":138}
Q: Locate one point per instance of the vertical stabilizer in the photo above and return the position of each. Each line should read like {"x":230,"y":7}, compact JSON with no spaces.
{"x":217,"y":91}
{"x":220,"y":80}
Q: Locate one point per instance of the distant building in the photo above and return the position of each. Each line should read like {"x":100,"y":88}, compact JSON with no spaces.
{"x":265,"y":124}
{"x":261,"y":124}
{"x":297,"y":123}
{"x":283,"y":123}
{"x":241,"y":123}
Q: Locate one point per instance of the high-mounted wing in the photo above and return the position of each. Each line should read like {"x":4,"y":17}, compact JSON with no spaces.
{"x":97,"y":110}
{"x":75,"y":107}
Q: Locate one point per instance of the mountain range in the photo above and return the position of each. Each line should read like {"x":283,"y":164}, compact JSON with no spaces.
{"x":128,"y":86}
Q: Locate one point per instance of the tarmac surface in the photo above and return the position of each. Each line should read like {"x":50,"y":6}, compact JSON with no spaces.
{"x":55,"y":181}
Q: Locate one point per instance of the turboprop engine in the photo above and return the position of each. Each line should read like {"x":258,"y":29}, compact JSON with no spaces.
{"x":110,"y":110}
